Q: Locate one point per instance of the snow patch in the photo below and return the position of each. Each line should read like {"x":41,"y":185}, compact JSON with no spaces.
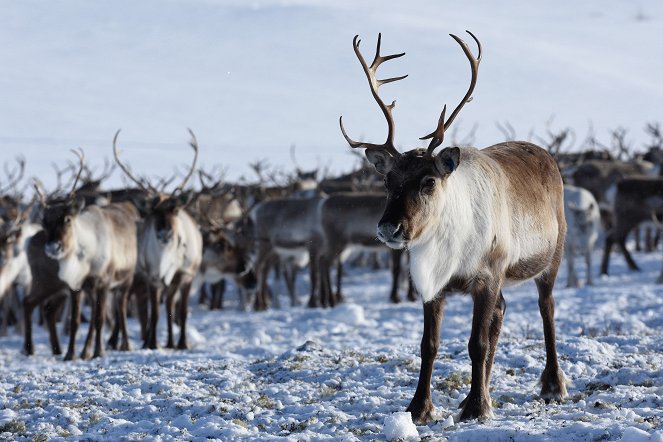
{"x":350,"y":314}
{"x":399,"y":426}
{"x":633,"y":434}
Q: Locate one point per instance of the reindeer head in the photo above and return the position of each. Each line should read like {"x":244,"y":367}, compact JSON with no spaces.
{"x":224,"y":253}
{"x":415,"y":180}
{"x":59,"y":217}
{"x":159,"y":208}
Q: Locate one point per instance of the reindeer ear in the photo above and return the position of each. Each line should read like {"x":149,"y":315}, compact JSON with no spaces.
{"x":447,"y":160}
{"x":381,"y":160}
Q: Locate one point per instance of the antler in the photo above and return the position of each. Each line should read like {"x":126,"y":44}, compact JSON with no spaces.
{"x":437,"y":136}
{"x":81,"y":160}
{"x":194,"y":145}
{"x":14,"y":176}
{"x":375,"y":84}
{"x":39,"y":192}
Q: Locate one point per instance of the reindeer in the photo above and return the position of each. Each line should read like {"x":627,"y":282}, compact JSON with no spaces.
{"x":47,"y":289}
{"x":583,"y":222}
{"x":224,"y":256}
{"x":15,"y":275}
{"x":287,"y":230}
{"x":348,"y":221}
{"x":95,"y":248}
{"x":636,"y":200}
{"x":170,"y":250}
{"x":472,"y":221}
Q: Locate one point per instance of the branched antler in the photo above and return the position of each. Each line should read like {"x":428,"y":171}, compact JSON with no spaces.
{"x":375,"y":83}
{"x":437,"y":136}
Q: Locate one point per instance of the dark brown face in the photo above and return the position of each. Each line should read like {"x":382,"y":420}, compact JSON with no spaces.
{"x":413,"y":182}
{"x":164,"y":215}
{"x":57,"y":222}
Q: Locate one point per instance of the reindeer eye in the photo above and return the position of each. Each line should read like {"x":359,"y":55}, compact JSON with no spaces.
{"x":428,"y":183}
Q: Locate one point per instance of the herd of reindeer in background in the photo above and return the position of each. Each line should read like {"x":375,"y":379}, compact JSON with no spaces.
{"x":125,"y":251}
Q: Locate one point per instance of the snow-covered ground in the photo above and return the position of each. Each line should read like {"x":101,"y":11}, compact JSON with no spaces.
{"x":252,"y":78}
{"x":303,"y":374}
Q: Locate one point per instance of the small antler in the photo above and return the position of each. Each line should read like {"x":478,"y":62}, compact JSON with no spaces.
{"x":375,"y":83}
{"x":194,"y":145}
{"x":437,"y":136}
{"x":81,"y":160}
{"x":39,"y":192}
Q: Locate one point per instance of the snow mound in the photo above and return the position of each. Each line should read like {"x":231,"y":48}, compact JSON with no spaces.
{"x":632,"y":434}
{"x":7,"y":416}
{"x":400,"y":426}
{"x":350,"y":314}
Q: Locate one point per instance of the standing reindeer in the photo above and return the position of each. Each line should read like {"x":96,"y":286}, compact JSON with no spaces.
{"x":583,"y":221}
{"x":348,"y":221}
{"x":95,"y":248}
{"x":170,"y":248}
{"x":472,"y":220}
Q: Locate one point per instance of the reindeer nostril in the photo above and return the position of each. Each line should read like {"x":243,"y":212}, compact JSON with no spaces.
{"x":398,"y":230}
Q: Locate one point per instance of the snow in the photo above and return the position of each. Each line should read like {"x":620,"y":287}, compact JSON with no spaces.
{"x":399,"y":426}
{"x":315,"y":374}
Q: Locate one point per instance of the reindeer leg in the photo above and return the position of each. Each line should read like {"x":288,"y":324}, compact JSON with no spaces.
{"x":115,"y":334}
{"x":486,"y":295}
{"x":102,"y":294}
{"x":185,"y":288}
{"x":155,"y":300}
{"x":74,"y":322}
{"x":421,"y":405}
{"x":125,"y":291}
{"x":495,"y":329}
{"x":605,"y":262}
{"x":553,"y":383}
{"x":627,"y":255}
{"x":51,"y":311}
{"x":316,"y":299}
{"x":219,"y":289}
{"x":35,"y":297}
{"x":339,"y":280}
{"x":171,"y":294}
{"x":395,"y":273}
{"x":570,"y":254}
{"x":202,"y":298}
{"x":86,"y":353}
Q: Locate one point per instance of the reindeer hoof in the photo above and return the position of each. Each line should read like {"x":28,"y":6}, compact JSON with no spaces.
{"x":69,"y":357}
{"x":422,"y":411}
{"x":476,"y":408}
{"x":182,"y":346}
{"x":553,"y":385}
{"x":125,"y":347}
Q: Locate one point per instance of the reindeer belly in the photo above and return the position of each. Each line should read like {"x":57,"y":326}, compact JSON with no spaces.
{"x":298,"y":255}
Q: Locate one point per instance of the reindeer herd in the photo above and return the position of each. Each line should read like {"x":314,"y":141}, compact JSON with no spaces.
{"x":128,"y":251}
{"x":463,"y":219}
